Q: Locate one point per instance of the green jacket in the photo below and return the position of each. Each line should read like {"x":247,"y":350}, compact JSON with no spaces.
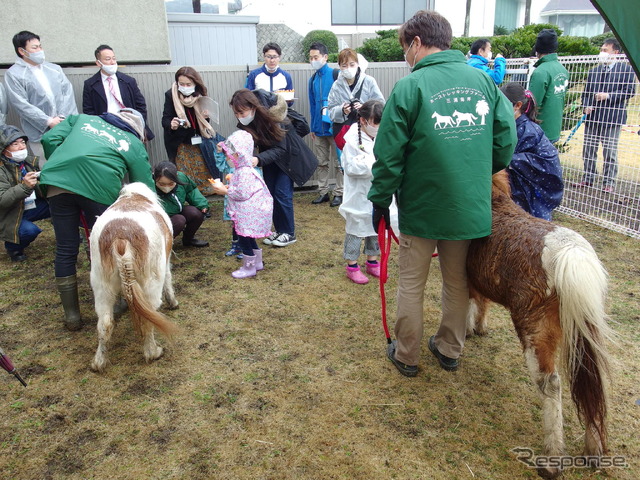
{"x":549,"y":83}
{"x":12,"y":195}
{"x":187,"y":193}
{"x":445,"y":129}
{"x":90,"y":157}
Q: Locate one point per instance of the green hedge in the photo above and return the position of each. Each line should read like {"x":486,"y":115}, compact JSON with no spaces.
{"x":323,"y":36}
{"x":519,"y":44}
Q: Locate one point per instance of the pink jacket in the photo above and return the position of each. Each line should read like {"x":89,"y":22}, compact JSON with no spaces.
{"x":250,"y":203}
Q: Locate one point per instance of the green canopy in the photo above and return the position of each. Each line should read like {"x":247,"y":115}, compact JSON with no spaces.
{"x":623,"y":16}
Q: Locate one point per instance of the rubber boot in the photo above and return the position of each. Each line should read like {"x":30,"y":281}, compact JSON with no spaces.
{"x":248,"y":268}
{"x":259,"y":264}
{"x":68,"y":290}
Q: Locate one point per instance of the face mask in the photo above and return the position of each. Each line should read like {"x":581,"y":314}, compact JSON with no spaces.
{"x":271,"y":70}
{"x":371,"y":130}
{"x":246,"y":120}
{"x":490,"y":56}
{"x":166,"y":188}
{"x":317,"y":64}
{"x":604,"y":58}
{"x":414,"y":57}
{"x":186,"y":91}
{"x":19,"y":155}
{"x":37,"y":57}
{"x":109,"y":69}
{"x":350,"y":73}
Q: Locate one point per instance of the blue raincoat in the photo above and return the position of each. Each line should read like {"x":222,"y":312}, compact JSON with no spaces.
{"x":535,"y":173}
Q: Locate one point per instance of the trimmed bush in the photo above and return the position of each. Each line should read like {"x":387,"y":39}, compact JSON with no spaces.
{"x":323,"y":36}
{"x":382,"y":49}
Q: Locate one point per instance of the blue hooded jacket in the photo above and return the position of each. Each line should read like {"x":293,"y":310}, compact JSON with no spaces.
{"x":319,"y":86}
{"x":499,"y":67}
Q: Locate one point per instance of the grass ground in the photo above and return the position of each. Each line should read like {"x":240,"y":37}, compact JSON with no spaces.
{"x":284,"y":376}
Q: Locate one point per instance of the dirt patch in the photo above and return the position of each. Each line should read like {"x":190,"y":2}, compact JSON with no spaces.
{"x":285,"y":376}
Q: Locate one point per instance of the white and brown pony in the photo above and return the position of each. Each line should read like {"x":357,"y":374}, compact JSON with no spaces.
{"x":551,"y":281}
{"x":130,"y":251}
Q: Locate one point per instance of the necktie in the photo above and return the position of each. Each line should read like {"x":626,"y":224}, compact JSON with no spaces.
{"x":113,"y":92}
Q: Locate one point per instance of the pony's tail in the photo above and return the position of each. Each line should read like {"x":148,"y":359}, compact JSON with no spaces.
{"x":581,"y":285}
{"x":141,"y":311}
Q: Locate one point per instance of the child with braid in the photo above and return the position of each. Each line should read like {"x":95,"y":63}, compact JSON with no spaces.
{"x":357,"y":161}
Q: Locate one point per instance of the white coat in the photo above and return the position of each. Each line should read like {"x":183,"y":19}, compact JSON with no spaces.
{"x":356,"y":208}
{"x":29,"y":100}
{"x":340,"y":93}
{"x":4,"y":106}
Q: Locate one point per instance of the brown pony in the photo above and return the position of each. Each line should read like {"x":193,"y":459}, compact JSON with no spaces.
{"x":554,"y":286}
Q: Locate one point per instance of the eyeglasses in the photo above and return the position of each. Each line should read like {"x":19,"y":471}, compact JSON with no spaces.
{"x":18,"y":143}
{"x":272,"y":57}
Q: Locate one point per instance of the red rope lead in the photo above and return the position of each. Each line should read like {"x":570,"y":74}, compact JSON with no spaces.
{"x":385,"y":249}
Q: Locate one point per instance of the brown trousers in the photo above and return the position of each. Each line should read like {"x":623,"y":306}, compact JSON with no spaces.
{"x":414,"y":260}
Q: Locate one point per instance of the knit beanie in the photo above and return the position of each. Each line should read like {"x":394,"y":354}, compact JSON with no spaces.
{"x":547,"y":41}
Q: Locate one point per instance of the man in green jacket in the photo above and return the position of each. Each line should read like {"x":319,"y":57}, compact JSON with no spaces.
{"x":549,"y":83}
{"x":446,"y":128}
{"x":88,"y":157}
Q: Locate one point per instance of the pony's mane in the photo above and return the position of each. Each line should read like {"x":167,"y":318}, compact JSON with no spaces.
{"x":500,"y":182}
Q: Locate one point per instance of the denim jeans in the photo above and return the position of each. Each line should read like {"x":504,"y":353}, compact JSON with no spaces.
{"x":65,"y":214}
{"x":28,"y":231}
{"x":281,"y":188}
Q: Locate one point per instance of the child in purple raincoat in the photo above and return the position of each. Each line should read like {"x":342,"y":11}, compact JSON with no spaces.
{"x":250,"y":204}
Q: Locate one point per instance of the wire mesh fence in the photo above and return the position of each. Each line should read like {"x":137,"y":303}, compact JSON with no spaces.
{"x":600,"y":142}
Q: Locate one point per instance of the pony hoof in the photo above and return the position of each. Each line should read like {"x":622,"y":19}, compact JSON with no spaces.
{"x":97,"y":366}
{"x":549,"y":473}
{"x":173,"y":306}
{"x":155,"y":355}
{"x":481,"y":332}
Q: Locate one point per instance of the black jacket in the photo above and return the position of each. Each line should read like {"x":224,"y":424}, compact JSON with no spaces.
{"x":94,"y":98}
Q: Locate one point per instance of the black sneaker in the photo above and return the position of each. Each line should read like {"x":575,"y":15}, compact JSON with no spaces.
{"x":448,"y":364}
{"x":406,"y":370}
{"x":284,"y":239}
{"x":16,"y":256}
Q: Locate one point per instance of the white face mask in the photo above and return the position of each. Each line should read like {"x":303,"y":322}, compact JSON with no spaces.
{"x":166,"y":188}
{"x":604,"y":58}
{"x":414,"y":57}
{"x":19,"y":155}
{"x":371,"y":130}
{"x":350,"y":73}
{"x":186,"y":91}
{"x":489,"y":56}
{"x":247,"y":120}
{"x":36,"y":57}
{"x":109,"y":69}
{"x":317,"y":64}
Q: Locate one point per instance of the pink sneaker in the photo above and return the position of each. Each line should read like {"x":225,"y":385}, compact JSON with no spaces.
{"x":373,"y":269}
{"x":355,"y":275}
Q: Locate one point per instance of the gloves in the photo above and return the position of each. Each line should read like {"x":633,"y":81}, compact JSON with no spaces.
{"x":378,"y":213}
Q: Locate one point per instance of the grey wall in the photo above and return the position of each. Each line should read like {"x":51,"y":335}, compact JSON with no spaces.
{"x":221,"y":81}
{"x":200,"y":39}
{"x":70,"y":30}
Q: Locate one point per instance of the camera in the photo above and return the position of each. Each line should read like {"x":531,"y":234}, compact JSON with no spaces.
{"x":353,"y":101}
{"x":182,"y":123}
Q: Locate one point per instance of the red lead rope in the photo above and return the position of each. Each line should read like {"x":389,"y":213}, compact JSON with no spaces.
{"x":385,"y":249}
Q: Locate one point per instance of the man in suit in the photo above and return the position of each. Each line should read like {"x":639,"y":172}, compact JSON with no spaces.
{"x":110,"y":91}
{"x":609,"y":87}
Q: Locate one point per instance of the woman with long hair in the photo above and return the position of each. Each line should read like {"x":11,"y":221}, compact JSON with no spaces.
{"x":189,"y":138}
{"x":264,"y":115}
